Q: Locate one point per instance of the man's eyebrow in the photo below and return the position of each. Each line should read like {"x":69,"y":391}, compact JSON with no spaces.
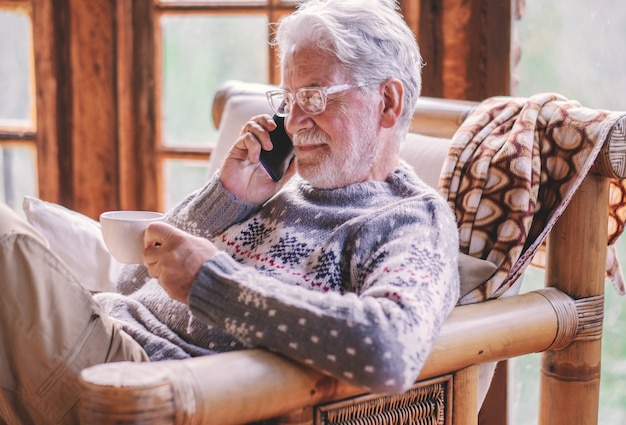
{"x":313,"y":84}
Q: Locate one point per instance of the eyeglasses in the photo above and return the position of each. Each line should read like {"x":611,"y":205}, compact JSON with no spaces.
{"x":311,"y":100}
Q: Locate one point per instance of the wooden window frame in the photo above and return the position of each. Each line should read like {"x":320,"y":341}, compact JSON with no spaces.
{"x":273,"y":10}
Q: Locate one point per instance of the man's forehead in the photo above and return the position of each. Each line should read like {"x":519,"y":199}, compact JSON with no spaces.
{"x":309,"y":66}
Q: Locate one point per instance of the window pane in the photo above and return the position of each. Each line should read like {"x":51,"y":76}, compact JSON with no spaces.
{"x":15,"y":70}
{"x":199,"y":53}
{"x":576,"y":48}
{"x":17,"y":175}
{"x":181,"y":177}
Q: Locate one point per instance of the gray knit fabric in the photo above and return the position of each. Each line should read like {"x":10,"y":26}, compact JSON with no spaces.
{"x":354,"y":282}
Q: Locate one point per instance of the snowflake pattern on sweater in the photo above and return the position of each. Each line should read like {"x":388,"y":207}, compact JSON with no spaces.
{"x":354,"y":282}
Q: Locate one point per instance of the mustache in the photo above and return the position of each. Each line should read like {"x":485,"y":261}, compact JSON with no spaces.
{"x":310,"y":137}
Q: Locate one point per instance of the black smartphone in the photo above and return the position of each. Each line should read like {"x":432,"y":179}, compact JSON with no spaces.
{"x":278,"y":159}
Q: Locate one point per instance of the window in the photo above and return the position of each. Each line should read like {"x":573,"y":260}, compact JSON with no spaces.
{"x":18,"y":175}
{"x":225,"y":47}
{"x":201,"y":45}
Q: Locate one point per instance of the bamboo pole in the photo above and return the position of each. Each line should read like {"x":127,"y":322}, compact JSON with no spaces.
{"x":494,"y":330}
{"x":250,"y":385}
{"x":570,"y":378}
{"x":440,"y":117}
{"x":465,"y":397}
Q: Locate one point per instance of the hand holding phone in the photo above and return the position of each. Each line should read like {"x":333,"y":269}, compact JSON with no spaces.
{"x":278,"y":159}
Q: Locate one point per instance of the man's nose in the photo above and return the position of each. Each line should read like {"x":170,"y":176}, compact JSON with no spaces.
{"x":297,"y":120}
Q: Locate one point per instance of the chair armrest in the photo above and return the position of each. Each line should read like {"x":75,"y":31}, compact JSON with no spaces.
{"x":244,"y":386}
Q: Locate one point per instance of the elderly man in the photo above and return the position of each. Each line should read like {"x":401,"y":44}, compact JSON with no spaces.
{"x":348,"y":264}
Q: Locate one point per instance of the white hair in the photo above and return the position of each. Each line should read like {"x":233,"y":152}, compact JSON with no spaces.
{"x":369,"y":37}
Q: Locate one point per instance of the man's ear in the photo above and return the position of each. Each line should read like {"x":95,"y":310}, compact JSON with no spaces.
{"x":393,"y":96}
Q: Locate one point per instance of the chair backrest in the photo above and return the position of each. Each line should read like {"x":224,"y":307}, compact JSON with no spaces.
{"x":424,"y":148}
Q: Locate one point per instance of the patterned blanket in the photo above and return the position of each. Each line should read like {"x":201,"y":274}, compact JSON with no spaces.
{"x":512,"y":168}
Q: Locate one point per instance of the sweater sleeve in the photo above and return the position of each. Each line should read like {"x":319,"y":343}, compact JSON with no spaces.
{"x":204,"y":212}
{"x":377,"y":336}
{"x":209,"y":210}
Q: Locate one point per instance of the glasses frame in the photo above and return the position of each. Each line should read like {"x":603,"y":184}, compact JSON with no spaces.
{"x":293,"y":97}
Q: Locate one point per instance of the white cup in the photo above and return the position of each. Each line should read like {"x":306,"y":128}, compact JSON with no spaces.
{"x":123,"y":233}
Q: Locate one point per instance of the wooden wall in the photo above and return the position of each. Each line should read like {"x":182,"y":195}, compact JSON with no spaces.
{"x":75,"y":74}
{"x":95,"y":103}
{"x":466,"y":45}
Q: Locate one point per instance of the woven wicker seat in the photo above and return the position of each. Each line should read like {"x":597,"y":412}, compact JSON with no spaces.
{"x":423,"y":404}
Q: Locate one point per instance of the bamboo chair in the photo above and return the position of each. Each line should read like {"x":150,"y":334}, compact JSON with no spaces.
{"x":562,"y":321}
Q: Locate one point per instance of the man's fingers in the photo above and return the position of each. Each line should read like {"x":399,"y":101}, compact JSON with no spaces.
{"x":159,"y":236}
{"x":159,"y":232}
{"x":255,"y":135}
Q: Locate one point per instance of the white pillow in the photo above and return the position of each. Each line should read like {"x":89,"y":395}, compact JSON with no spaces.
{"x":77,"y":240}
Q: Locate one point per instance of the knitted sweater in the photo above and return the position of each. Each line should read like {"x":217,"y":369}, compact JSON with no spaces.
{"x":354,"y":282}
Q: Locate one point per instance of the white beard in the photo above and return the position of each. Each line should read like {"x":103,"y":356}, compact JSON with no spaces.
{"x":338,"y":164}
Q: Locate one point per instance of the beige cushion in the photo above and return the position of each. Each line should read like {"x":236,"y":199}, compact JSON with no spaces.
{"x":473,"y":271}
{"x":426,"y":155}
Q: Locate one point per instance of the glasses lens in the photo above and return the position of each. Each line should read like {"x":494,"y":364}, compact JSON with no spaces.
{"x":311,"y":100}
{"x":278,"y":101}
